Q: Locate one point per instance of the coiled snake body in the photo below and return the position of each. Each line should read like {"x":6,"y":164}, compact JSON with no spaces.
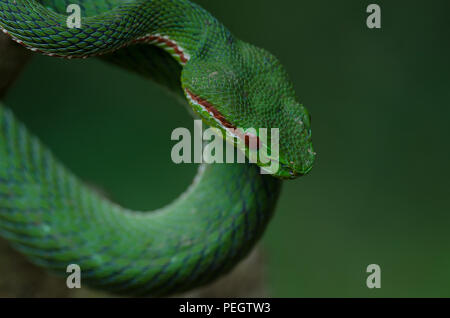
{"x":49,"y":215}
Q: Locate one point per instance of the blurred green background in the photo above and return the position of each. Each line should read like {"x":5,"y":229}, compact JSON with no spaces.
{"x":379,"y":99}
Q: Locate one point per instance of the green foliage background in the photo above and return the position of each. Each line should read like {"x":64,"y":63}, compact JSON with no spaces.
{"x":379,"y":99}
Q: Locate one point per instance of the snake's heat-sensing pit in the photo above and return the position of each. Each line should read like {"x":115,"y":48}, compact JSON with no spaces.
{"x":49,"y":215}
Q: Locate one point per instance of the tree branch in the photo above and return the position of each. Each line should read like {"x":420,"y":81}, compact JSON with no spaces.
{"x":13,"y":57}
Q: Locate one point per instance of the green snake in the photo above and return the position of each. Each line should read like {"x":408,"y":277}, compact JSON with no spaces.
{"x":49,"y":215}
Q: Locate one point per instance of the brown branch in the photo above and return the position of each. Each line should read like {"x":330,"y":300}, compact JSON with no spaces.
{"x":18,"y":277}
{"x":13,"y":57}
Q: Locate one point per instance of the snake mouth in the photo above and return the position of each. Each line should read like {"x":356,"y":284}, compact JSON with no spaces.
{"x":251,"y":140}
{"x":284,"y":171}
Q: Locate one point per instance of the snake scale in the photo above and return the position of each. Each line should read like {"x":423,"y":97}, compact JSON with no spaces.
{"x":49,"y":215}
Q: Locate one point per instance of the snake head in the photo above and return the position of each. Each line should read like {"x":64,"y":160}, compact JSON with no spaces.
{"x":246,"y":90}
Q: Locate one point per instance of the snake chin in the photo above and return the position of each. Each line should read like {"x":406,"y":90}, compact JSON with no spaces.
{"x":284,"y":171}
